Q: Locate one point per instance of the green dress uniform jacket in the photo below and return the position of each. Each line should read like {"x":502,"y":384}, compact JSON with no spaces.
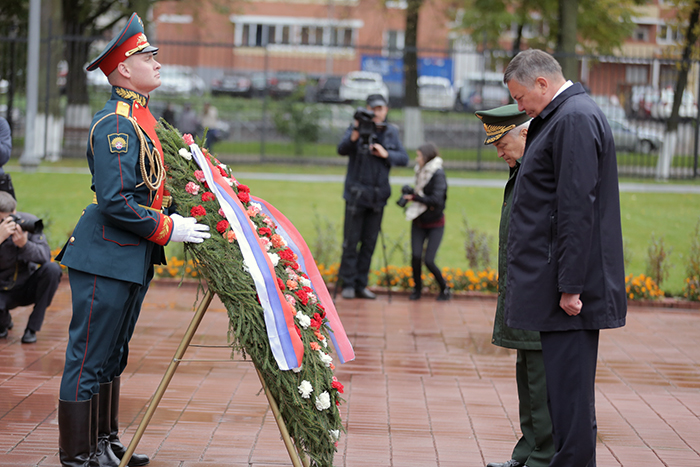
{"x":122,"y":233}
{"x":504,"y":336}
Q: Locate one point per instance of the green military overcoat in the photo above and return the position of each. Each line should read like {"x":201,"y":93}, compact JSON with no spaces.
{"x":503,"y":335}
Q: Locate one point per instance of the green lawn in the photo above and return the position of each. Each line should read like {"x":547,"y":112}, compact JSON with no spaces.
{"x":59,"y":199}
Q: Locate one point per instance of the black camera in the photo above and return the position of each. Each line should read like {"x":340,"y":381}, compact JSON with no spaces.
{"x":365,"y":127}
{"x":405,"y":190}
{"x":28,"y":226}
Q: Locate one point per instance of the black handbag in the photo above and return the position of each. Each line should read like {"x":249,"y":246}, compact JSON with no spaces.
{"x":6,"y":184}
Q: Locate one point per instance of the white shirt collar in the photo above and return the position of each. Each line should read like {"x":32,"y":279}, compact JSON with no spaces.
{"x":563,"y":88}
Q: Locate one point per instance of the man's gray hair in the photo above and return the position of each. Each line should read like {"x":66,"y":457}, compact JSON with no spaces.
{"x":515,"y":132}
{"x":7,"y":202}
{"x":530,"y":64}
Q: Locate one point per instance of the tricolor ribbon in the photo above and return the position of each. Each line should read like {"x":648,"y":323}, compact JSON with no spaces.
{"x":285,"y":343}
{"x":296,"y":243}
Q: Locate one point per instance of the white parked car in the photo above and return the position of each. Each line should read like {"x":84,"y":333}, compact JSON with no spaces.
{"x":661,"y":109}
{"x":357,"y":85}
{"x":179,"y":79}
{"x":435,"y":92}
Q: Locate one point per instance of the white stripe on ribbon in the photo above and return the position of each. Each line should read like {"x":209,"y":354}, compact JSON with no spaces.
{"x":250,"y":261}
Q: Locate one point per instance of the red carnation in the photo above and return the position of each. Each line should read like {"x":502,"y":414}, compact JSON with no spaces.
{"x":243,"y":189}
{"x":244,"y":197}
{"x":222,"y":171}
{"x":188,"y":139}
{"x":208,"y":196}
{"x":198,"y":211}
{"x":265,"y":231}
{"x":338,"y":385}
{"x":280,"y":283}
{"x":221,"y":226}
{"x":302,"y":296}
{"x":298,"y":330}
{"x":294,"y":265}
{"x":307,"y":289}
{"x":286,"y":254}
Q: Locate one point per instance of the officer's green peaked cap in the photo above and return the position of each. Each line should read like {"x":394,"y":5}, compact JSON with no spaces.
{"x":499,"y":121}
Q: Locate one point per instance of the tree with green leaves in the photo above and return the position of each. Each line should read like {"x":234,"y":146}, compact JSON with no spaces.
{"x":601,"y":26}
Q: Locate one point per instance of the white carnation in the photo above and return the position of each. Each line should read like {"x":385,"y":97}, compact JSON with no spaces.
{"x":323,"y":401}
{"x":185,"y":154}
{"x":257,"y":206}
{"x":274,"y":257}
{"x":305,"y":389}
{"x":304,"y":321}
{"x":335,"y":434}
{"x":325,"y":358}
{"x":305,"y":282}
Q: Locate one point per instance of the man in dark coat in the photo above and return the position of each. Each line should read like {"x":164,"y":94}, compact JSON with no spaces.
{"x":27,"y":275}
{"x":112,"y":250}
{"x":565,"y":266}
{"x":366,"y":191}
{"x":506,"y":128}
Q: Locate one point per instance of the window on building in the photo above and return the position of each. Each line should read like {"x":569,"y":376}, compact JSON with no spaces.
{"x":305,"y":35}
{"x":641,"y":33}
{"x":395,"y":40}
{"x":319,"y":36}
{"x":246,"y":33}
{"x":636,"y":74}
{"x":271,"y":35}
{"x":285,"y":34}
{"x":347,"y":37}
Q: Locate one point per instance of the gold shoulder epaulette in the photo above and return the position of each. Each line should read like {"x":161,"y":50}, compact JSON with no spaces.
{"x":123,"y":109}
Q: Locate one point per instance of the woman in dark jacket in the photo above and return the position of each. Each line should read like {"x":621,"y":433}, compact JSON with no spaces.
{"x":428,"y":220}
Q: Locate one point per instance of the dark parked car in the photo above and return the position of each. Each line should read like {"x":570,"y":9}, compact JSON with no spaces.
{"x":328,"y":89}
{"x":284,"y":83}
{"x":234,"y":84}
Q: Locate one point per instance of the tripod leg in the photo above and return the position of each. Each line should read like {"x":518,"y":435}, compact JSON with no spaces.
{"x":168,"y":376}
{"x":386,"y":265}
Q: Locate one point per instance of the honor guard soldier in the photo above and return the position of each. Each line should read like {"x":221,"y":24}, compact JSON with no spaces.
{"x":112,"y":250}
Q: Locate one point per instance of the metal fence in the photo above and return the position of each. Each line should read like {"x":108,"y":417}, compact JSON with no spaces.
{"x":285,"y":104}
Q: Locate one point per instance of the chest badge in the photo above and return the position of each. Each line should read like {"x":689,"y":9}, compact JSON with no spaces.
{"x":118,"y":142}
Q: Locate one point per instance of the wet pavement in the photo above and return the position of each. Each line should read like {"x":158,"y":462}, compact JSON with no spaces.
{"x":427,"y":388}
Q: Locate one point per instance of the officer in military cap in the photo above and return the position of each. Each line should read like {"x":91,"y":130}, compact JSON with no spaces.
{"x":506,"y":129}
{"x":112,"y":250}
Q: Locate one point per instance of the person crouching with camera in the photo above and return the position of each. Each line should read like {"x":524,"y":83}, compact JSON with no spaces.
{"x":426,"y":211}
{"x":373,"y":147}
{"x":27,"y":275}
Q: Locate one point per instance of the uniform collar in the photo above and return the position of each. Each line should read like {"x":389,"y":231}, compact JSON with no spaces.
{"x":576,"y":88}
{"x":129,"y":95}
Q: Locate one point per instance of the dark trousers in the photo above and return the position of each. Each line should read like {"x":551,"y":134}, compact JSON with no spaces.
{"x":105,"y":311}
{"x":535,"y":447}
{"x":570,"y":359}
{"x":38,"y":289}
{"x":360,"y":234}
{"x":419,"y":236}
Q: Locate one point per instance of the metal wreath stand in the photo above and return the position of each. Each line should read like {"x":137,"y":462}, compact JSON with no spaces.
{"x":297,"y":457}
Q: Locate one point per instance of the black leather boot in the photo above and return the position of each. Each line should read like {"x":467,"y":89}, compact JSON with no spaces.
{"x":75,"y":443}
{"x":137,"y":460}
{"x":103,"y":401}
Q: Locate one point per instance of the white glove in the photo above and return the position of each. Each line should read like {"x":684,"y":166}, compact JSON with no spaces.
{"x":186,"y":229}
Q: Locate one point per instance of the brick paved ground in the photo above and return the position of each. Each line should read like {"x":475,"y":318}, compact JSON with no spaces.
{"x":427,"y":388}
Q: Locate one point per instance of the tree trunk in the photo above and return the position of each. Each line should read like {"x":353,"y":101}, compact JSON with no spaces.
{"x":567,"y":40}
{"x":76,"y":48}
{"x":410,"y":57}
{"x":663,"y":166}
{"x":49,"y":123}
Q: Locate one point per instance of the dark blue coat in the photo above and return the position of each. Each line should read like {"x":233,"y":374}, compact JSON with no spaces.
{"x":118,"y":236}
{"x":367,"y":180}
{"x":565,"y":232}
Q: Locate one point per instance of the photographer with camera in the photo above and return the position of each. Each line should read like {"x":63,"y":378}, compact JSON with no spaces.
{"x":373,"y":147}
{"x":426,"y":212}
{"x":27,"y":275}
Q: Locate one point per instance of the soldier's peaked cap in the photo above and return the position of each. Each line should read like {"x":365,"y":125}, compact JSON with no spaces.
{"x":131,"y":40}
{"x":499,"y":121}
